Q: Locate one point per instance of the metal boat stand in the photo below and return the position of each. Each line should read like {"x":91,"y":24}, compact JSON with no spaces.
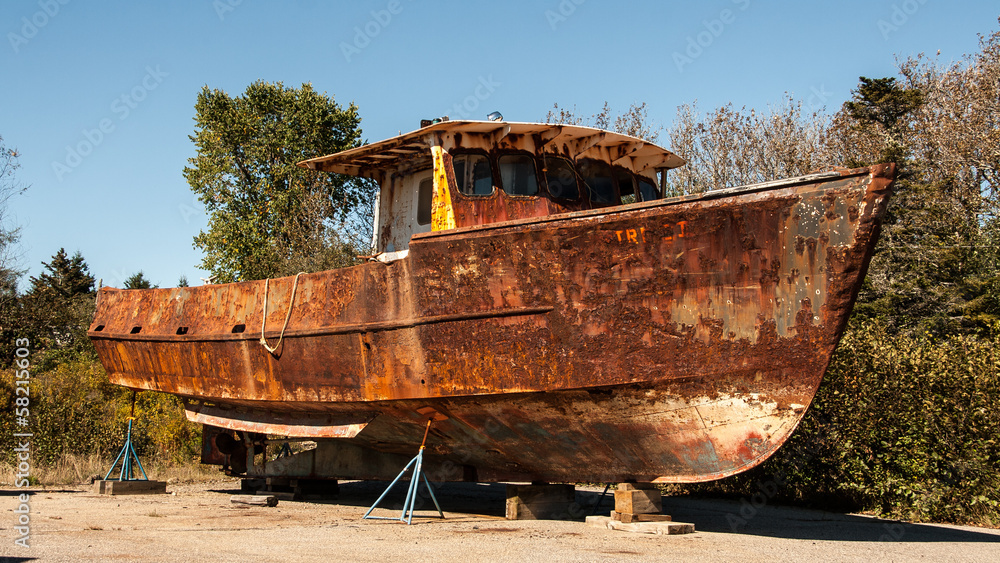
{"x":127,"y":455}
{"x":411,"y":493}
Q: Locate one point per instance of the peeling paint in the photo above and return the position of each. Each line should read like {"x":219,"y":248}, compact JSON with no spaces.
{"x":672,"y":340}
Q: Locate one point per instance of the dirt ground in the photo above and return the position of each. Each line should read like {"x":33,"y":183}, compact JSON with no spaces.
{"x":197,"y":522}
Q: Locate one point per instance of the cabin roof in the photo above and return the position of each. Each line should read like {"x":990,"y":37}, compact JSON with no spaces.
{"x":369,"y":160}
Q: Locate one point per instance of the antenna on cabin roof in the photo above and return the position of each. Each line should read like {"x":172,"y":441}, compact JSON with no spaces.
{"x":494,"y":116}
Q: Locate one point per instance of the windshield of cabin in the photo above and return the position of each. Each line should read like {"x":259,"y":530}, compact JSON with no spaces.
{"x":517,"y":174}
{"x":596,"y":176}
{"x":472,"y":172}
{"x":560,"y":177}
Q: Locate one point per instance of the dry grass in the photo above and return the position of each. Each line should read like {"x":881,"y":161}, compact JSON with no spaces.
{"x":75,"y":469}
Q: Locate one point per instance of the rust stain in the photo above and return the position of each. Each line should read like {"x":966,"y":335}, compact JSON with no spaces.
{"x":670,"y":341}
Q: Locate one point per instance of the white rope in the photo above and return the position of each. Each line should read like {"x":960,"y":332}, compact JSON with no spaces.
{"x":288,"y":315}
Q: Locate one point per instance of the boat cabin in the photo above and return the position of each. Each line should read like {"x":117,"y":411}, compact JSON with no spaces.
{"x":453,"y":174}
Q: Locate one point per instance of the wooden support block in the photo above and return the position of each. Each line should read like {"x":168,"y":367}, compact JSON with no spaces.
{"x":657,"y":528}
{"x":628,"y":517}
{"x":634,"y":501}
{"x":540,"y":502}
{"x":637,"y":487}
{"x":111,"y":487}
{"x":255,"y":500}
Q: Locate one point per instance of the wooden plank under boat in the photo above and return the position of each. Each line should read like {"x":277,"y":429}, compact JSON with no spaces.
{"x":668,"y":340}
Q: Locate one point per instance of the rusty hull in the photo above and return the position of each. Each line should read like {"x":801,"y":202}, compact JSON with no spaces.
{"x":676,"y":340}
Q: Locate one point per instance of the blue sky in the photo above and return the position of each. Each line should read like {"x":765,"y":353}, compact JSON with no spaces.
{"x":98,"y":96}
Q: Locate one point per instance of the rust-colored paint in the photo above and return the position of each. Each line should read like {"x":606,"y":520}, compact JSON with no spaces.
{"x":675,"y":340}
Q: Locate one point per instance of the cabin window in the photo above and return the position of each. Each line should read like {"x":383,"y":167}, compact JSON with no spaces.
{"x":560,"y":177}
{"x":425,"y":196}
{"x":648,"y":189}
{"x":472,"y":172}
{"x":597,"y":177}
{"x":517,"y":174}
{"x":626,"y":186}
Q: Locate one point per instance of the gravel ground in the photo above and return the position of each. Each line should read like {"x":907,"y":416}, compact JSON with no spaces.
{"x":196,"y":522}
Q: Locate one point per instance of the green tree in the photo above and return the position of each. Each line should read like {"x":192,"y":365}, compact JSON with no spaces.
{"x":956,"y":133}
{"x":58,"y":307}
{"x":64,"y":277}
{"x":882,"y":106}
{"x":138,"y":281}
{"x":267,"y":216}
{"x":926,"y":272}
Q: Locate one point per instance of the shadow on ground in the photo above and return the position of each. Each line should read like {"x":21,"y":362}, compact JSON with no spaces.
{"x":740,"y":517}
{"x":722,"y":516}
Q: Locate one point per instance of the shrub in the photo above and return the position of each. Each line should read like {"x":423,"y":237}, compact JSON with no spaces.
{"x":903,"y":426}
{"x":74,"y":409}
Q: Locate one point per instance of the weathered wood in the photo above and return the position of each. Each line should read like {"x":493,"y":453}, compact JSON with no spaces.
{"x":657,"y":528}
{"x":628,"y":517}
{"x":638,"y":501}
{"x":637,"y":487}
{"x":540,"y":502}
{"x":113,"y":487}
{"x":255,"y":500}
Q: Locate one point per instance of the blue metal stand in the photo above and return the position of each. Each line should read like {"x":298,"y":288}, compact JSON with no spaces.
{"x":411,"y":492}
{"x":128,"y":454}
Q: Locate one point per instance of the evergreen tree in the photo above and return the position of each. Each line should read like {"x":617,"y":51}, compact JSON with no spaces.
{"x":138,"y":281}
{"x":64,"y":277}
{"x":923,"y":276}
{"x":58,"y":307}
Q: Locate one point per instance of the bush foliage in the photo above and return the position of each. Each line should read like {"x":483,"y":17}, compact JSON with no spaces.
{"x":75,"y":410}
{"x":902,"y":426}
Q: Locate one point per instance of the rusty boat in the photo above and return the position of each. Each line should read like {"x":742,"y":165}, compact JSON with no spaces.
{"x":538,"y":298}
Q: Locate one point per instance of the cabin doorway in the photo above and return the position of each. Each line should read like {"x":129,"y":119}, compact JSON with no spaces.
{"x":408,"y":213}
